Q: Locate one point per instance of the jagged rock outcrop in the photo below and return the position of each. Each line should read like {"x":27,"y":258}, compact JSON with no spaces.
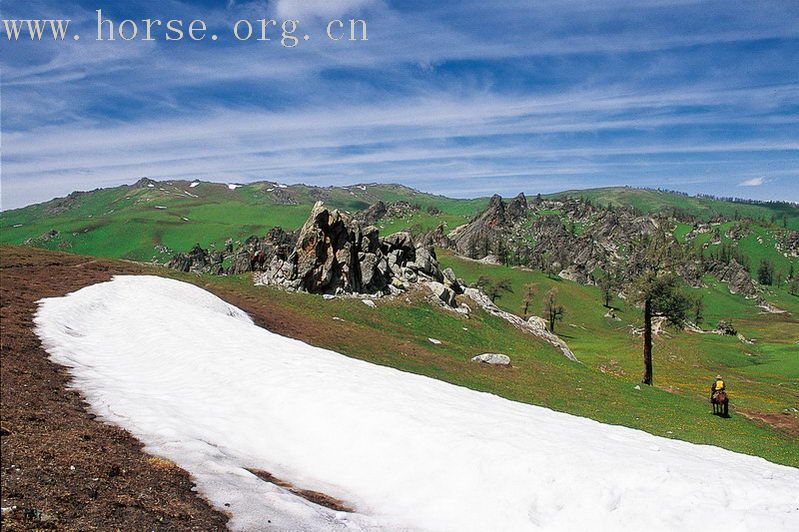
{"x":331,"y":254}
{"x":378,"y":211}
{"x":335,"y":254}
{"x":788,"y":243}
{"x":374,"y":212}
{"x":437,"y":238}
{"x":735,"y":275}
{"x":517,"y":208}
{"x":198,"y":260}
{"x":256,"y":253}
{"x":577,"y":241}
{"x":485,"y":234}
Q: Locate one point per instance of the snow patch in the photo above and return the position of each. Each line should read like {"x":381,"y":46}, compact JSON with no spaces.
{"x":201,"y":385}
{"x":194,"y":184}
{"x":233,"y":186}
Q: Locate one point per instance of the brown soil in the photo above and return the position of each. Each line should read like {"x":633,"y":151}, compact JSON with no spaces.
{"x":313,"y":496}
{"x":61,"y":468}
{"x":785,"y":422}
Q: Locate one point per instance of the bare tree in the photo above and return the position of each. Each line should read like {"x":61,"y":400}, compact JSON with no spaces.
{"x":529,"y":293}
{"x":552,"y":310}
{"x":608,"y":284}
{"x":493,"y":290}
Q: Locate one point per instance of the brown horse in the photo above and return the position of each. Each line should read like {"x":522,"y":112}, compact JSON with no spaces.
{"x":720,"y":403}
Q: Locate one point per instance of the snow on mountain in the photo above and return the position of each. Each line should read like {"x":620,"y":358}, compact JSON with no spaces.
{"x":200,"y":384}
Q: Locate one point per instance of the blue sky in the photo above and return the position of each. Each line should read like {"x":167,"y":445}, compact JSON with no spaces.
{"x":463,"y":98}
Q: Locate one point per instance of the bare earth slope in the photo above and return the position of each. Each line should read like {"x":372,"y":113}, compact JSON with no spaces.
{"x":61,"y":468}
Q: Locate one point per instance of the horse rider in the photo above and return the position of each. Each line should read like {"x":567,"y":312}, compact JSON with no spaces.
{"x":718,"y":386}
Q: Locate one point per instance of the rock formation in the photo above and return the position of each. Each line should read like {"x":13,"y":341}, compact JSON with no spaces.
{"x":335,"y":254}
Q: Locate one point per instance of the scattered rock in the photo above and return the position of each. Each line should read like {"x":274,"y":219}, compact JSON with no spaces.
{"x":442,"y":292}
{"x":535,"y":325}
{"x":744,"y":339}
{"x":736,"y":276}
{"x":495,"y":359}
{"x":725,"y":328}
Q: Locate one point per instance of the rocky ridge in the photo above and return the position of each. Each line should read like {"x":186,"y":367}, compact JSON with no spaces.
{"x":577,"y":241}
{"x":333,"y":253}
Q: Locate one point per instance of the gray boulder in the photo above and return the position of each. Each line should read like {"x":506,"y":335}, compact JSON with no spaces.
{"x":442,"y":292}
{"x":495,"y":359}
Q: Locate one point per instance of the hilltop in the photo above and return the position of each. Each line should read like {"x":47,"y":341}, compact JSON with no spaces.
{"x":704,"y":208}
{"x":151,"y":220}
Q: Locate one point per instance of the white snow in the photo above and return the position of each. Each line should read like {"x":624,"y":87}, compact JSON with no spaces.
{"x":233,"y":186}
{"x":194,"y":184}
{"x":200,"y":384}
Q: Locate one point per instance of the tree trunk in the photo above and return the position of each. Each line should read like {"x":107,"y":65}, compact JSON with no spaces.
{"x":647,"y":342}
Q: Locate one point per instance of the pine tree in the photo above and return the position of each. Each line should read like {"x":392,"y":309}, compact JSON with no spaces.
{"x":765,"y":272}
{"x":656,"y":289}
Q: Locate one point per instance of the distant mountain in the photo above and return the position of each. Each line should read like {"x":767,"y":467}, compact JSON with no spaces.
{"x":151,"y":220}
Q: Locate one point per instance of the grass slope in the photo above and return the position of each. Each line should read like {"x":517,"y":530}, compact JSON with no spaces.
{"x":652,"y":201}
{"x":138,"y":222}
{"x":762,"y":377}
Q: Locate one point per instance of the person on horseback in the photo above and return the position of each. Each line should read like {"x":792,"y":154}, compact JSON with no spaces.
{"x":718,"y":386}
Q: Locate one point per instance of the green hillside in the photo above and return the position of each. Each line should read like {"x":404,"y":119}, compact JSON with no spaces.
{"x":655,"y":201}
{"x":152,"y":220}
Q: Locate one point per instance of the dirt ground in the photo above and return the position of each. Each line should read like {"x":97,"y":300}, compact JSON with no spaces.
{"x":61,"y":468}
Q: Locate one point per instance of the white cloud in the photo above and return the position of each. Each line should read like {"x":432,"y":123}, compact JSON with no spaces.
{"x":754,"y":182}
{"x":319,"y":8}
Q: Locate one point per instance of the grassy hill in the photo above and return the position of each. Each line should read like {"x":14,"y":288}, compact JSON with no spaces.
{"x":655,"y":201}
{"x":151,"y":220}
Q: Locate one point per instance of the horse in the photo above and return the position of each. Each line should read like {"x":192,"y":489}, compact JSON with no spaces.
{"x":720,"y":403}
